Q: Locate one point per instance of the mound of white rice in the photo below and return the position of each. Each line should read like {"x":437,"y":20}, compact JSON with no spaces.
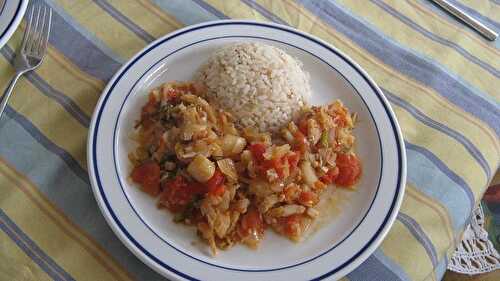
{"x":262,"y":86}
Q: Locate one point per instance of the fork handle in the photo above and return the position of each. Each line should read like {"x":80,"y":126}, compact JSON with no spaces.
{"x":5,"y":98}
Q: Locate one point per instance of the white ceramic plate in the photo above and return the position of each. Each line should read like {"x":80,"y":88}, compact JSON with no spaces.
{"x":11,"y":14}
{"x":334,"y":249}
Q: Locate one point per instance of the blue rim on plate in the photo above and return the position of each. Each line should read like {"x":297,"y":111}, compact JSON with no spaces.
{"x":98,"y":114}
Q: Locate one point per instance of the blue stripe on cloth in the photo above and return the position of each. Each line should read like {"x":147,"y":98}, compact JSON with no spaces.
{"x":375,"y":269}
{"x":404,"y":19}
{"x":141,"y":33}
{"x":420,"y":116}
{"x":210,"y":9}
{"x":430,"y":180}
{"x":60,"y":12}
{"x":443,"y":168}
{"x":420,"y":235}
{"x":31,"y":249}
{"x":406,"y":62}
{"x":42,"y":140}
{"x":56,"y":180}
{"x":440,"y":269}
{"x":452,"y":20}
{"x":69,"y":105}
{"x":184,"y":11}
{"x":256,"y":6}
{"x":389,"y":263}
{"x":484,"y":19}
{"x":495,"y":2}
{"x":81,"y":47}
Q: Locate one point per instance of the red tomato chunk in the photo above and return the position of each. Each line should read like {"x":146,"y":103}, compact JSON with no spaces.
{"x":148,"y":176}
{"x":349,"y":169}
{"x":251,"y":223}
{"x":178,"y":193}
{"x":257,"y":150}
{"x":292,"y":225}
{"x":215,"y":181}
{"x":330,"y":176}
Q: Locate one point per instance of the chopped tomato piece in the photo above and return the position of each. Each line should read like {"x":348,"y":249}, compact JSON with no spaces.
{"x":258,"y":150}
{"x":251,"y":223}
{"x":147,"y":110}
{"x":340,"y":120}
{"x":279,"y":164}
{"x":218,"y":190}
{"x":349,"y":169}
{"x":303,"y":126}
{"x":301,"y":141}
{"x":319,"y":185}
{"x":196,"y":187}
{"x":148,"y":176}
{"x":291,"y":192}
{"x":308,"y":198}
{"x":276,"y":164}
{"x":330,"y":176}
{"x":172,"y":94}
{"x":174,"y":91}
{"x":178,"y":193}
{"x":185,"y":88}
{"x":151,"y":106}
{"x":300,"y":137}
{"x":293,"y":159}
{"x":292,"y":225}
{"x":216,"y":180}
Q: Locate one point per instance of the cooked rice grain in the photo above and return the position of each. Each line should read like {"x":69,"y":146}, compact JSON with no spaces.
{"x":262,"y":86}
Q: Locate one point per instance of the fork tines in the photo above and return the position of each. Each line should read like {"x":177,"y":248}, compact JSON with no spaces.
{"x":37,"y":30}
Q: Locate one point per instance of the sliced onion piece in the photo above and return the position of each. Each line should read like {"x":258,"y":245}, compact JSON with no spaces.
{"x":227,"y":167}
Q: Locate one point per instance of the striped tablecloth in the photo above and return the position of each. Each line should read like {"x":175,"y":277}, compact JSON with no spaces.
{"x":441,"y":78}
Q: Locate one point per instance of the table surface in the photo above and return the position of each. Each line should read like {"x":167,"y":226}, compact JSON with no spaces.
{"x":442,"y":79}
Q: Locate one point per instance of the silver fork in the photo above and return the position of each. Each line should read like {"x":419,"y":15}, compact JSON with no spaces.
{"x":33,"y":48}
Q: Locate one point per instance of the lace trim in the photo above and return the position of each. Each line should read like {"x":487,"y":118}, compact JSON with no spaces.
{"x":476,"y":253}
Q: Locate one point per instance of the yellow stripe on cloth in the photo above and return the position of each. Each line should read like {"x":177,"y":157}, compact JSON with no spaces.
{"x":24,"y":269}
{"x":67,"y":66}
{"x":149,"y":5}
{"x":411,"y":39}
{"x":65,"y":63}
{"x":485,"y":7}
{"x":432,"y":218}
{"x":116,"y":36}
{"x":53,"y":232}
{"x":65,"y":77}
{"x":288,"y":12}
{"x":452,"y":153}
{"x":420,"y":96}
{"x":48,"y":116}
{"x":459,"y":30}
{"x":436,"y":108}
{"x":236,"y":10}
{"x":392,"y":247}
{"x":432,"y":23}
{"x":147,"y":16}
